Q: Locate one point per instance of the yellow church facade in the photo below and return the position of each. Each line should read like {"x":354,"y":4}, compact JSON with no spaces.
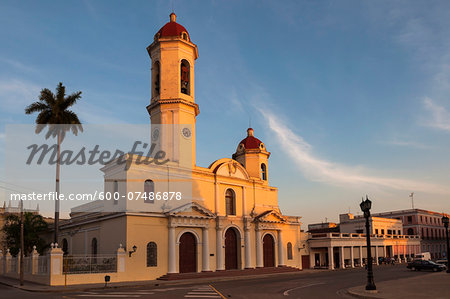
{"x":230,"y":219}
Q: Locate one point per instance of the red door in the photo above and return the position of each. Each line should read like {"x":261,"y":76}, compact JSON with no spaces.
{"x":268,"y":251}
{"x":231,"y":249}
{"x":188,"y":253}
{"x":305,"y":262}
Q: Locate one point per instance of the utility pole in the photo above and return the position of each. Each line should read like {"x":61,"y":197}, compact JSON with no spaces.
{"x":21,"y":243}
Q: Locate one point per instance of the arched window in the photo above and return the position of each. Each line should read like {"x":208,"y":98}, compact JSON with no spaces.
{"x":263,"y":172}
{"x":230,"y":201}
{"x":184,"y":36}
{"x":410,"y":231}
{"x":289,"y":251}
{"x":152,"y":254}
{"x":94,"y":246}
{"x":185,"y":77}
{"x":149,"y":189}
{"x":65,"y":246}
{"x":156,"y":78}
{"x":115,"y":190}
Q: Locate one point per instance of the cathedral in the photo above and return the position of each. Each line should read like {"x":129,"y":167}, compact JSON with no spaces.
{"x":230,"y":218}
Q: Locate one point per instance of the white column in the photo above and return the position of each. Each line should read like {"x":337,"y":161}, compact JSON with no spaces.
{"x":376,"y":255}
{"x":172,"y":255}
{"x":205,"y":249}
{"x":360,"y":256}
{"x":341,"y":257}
{"x":312,"y":260}
{"x":219,"y":250}
{"x":259,"y":249}
{"x":352,"y":262}
{"x":248,"y":249}
{"x":384,"y":251}
{"x":330,"y":258}
{"x":280,"y":249}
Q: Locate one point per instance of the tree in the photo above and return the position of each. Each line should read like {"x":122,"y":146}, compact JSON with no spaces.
{"x":33,"y":226}
{"x":54,"y":113}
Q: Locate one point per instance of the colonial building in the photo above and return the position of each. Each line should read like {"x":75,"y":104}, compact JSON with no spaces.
{"x":231,"y":219}
{"x":344,"y":245}
{"x":427,"y":224}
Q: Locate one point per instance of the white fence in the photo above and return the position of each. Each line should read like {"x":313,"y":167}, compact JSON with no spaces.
{"x":74,"y":264}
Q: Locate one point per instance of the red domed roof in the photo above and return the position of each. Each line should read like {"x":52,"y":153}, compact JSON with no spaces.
{"x":172,"y":28}
{"x":250,"y":142}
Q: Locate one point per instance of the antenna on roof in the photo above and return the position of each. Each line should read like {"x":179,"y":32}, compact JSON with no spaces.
{"x":412,"y":199}
{"x":249,"y":121}
{"x":172,"y":7}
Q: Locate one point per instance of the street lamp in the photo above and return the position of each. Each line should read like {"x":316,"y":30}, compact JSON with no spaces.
{"x":445,"y":221}
{"x":365,"y":207}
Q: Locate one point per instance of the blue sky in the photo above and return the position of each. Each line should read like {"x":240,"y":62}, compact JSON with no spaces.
{"x":351,"y":97}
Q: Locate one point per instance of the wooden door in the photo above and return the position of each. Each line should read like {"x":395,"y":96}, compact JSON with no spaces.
{"x":231,"y":249}
{"x":305,"y":262}
{"x":188,"y":253}
{"x":268,"y":251}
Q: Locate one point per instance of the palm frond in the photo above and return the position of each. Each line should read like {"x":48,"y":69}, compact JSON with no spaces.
{"x":60,"y":92}
{"x":47,"y":96}
{"x":71,"y":100}
{"x":36,"y":107}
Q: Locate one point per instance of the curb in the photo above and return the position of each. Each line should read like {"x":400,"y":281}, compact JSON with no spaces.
{"x":359,"y":295}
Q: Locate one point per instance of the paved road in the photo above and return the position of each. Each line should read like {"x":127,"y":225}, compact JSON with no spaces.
{"x":321,"y":284}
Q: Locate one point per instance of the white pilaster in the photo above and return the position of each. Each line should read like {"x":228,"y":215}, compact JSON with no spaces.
{"x":219,"y":250}
{"x":330,"y":258}
{"x":172,"y":251}
{"x":376,"y":255}
{"x":360,"y":256}
{"x":352,"y":262}
{"x":205,"y":249}
{"x":341,"y":257}
{"x":248,"y":250}
{"x":216,"y":195}
{"x":280,"y":249}
{"x":259,"y":249}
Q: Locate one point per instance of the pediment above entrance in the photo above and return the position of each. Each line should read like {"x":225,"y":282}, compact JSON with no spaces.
{"x":270,"y":216}
{"x":191,"y":210}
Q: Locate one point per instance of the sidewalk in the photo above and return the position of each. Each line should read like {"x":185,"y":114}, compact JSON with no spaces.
{"x":433,"y":285}
{"x":34,"y":287}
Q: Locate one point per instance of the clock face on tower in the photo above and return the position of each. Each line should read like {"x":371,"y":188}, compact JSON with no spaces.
{"x":186,"y":133}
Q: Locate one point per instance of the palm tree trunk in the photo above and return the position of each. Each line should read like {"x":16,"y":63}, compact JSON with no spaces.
{"x":22,"y":249}
{"x":57,"y":190}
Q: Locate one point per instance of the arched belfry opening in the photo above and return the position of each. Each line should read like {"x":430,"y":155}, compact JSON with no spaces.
{"x":185,"y":77}
{"x":263,"y":172}
{"x":156,"y":78}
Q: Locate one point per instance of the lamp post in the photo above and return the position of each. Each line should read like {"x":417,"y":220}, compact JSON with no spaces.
{"x":365,"y":207}
{"x":445,"y":221}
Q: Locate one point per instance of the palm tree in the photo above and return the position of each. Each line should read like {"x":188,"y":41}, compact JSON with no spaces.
{"x":54,"y":113}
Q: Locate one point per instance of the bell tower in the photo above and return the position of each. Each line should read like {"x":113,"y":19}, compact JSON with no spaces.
{"x":253,"y":155}
{"x":172,"y":108}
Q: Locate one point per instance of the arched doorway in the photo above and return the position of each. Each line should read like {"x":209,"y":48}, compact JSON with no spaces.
{"x":188,"y":253}
{"x":268,"y":251}
{"x":231,"y":249}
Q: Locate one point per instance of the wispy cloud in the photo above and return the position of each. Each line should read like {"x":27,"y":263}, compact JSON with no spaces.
{"x":407,"y":143}
{"x":18,"y":65}
{"x":440,"y":117}
{"x":16,"y":94}
{"x":320,"y":170}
